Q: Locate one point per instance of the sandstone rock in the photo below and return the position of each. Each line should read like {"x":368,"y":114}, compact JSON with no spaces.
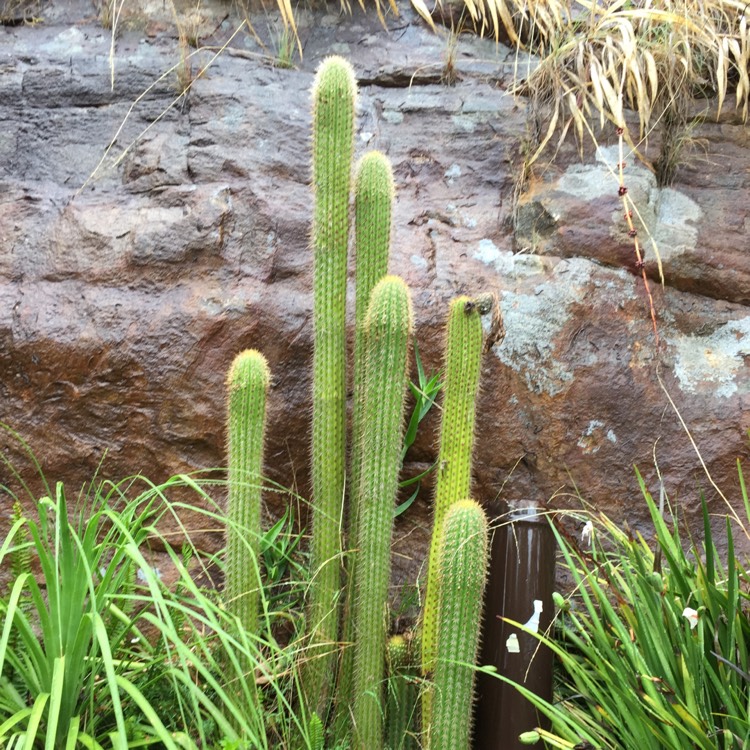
{"x":145,"y":239}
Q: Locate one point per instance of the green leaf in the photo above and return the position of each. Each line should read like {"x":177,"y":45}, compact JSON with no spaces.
{"x":148,"y":711}
{"x":35,"y":718}
{"x":403,"y":507}
{"x":58,"y":678}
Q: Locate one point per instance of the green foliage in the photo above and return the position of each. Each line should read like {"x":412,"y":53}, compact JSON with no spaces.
{"x":402,"y":694}
{"x":424,"y":391}
{"x":334,"y":94}
{"x":60,"y":635}
{"x":462,"y":367}
{"x":388,"y":332}
{"x":462,"y":569}
{"x":96,"y":651}
{"x":284,"y":573}
{"x":654,"y":646}
{"x":315,"y":733}
{"x":247,"y":385}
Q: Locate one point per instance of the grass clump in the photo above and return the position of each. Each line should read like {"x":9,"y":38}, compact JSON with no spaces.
{"x":97,"y":651}
{"x":653,"y":646}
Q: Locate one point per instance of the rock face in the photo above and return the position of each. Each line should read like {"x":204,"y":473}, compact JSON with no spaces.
{"x":146,"y":237}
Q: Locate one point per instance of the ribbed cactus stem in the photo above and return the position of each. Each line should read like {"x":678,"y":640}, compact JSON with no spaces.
{"x":463,"y":357}
{"x":462,"y":571}
{"x":401,"y":701}
{"x":388,"y":333}
{"x":334,"y":94}
{"x":247,"y":386}
{"x":373,"y":203}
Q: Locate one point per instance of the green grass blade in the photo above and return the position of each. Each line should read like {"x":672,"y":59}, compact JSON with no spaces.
{"x":107,"y":663}
{"x":58,"y":678}
{"x":73,"y":733}
{"x":148,"y":711}
{"x":35,"y":718}
{"x":12,"y":721}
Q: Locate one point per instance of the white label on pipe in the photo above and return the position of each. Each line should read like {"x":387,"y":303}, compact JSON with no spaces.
{"x":512,"y":645}
{"x":533,"y":622}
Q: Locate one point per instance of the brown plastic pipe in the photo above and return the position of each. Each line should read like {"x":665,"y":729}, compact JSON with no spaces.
{"x":520,"y":585}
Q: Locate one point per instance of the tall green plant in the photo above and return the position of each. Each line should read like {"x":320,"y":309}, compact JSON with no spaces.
{"x":65,"y":683}
{"x":462,"y":367}
{"x":247,"y":385}
{"x":334,"y":94}
{"x":463,"y":552}
{"x":388,"y":332}
{"x":373,"y":205}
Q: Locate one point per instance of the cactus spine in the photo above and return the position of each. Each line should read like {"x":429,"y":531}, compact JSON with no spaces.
{"x":401,"y":701}
{"x":334,"y":94}
{"x":247,"y":385}
{"x":462,"y":365}
{"x":388,"y":331}
{"x":373,"y":202}
{"x":462,"y":571}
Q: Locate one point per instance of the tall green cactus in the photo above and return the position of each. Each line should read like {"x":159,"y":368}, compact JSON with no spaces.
{"x":388,"y":328}
{"x":462,"y":571}
{"x":373,"y":202}
{"x":247,"y":385}
{"x":373,"y":205}
{"x":462,"y":366}
{"x":334,"y":94}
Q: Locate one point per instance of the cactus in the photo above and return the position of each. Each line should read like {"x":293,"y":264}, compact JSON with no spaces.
{"x":388,"y":332}
{"x":334,"y":94}
{"x":463,"y":571}
{"x":373,"y":201}
{"x":247,"y":385}
{"x":401,"y":700}
{"x":462,"y":365}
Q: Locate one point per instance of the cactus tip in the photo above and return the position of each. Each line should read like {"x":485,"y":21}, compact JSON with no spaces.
{"x":248,"y":364}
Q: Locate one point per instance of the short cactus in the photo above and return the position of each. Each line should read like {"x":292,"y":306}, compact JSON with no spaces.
{"x":388,"y":332}
{"x":334,"y":94}
{"x":247,"y":385}
{"x":462,"y":366}
{"x":463,"y":571}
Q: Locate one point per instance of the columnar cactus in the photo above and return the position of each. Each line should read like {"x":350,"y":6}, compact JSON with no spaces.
{"x":334,"y":94}
{"x":401,"y":701}
{"x":462,"y":365}
{"x":388,"y":333}
{"x":462,"y":570}
{"x":373,"y":202}
{"x":247,"y":385}
{"x":373,"y":205}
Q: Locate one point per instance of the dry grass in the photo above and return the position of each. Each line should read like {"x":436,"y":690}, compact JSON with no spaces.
{"x":599,"y":59}
{"x":15,"y":12}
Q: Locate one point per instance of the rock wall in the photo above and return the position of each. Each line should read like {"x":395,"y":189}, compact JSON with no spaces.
{"x":147,"y":236}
